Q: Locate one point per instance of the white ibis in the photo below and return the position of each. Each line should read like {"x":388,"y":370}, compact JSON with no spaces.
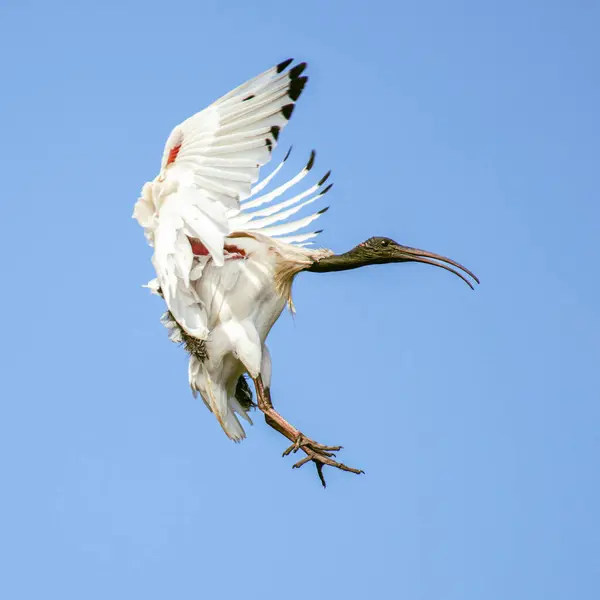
{"x":226,"y":256}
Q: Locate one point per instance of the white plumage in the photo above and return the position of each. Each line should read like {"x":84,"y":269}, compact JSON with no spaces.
{"x":225,"y":266}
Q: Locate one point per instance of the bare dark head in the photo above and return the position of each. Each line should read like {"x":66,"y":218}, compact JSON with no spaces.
{"x":382,"y":250}
{"x":378,"y":250}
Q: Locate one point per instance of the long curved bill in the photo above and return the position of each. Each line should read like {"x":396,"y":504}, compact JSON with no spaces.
{"x":408,"y":254}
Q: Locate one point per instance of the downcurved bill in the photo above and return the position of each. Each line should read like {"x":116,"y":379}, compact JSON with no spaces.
{"x":408,"y":254}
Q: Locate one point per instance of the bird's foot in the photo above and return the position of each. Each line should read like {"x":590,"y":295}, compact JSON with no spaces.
{"x":304,"y":442}
{"x":320,"y":454}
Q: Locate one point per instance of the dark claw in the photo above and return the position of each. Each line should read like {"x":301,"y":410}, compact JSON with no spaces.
{"x":320,"y":473}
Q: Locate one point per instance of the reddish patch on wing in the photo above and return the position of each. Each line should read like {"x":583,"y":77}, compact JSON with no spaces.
{"x":198,"y":248}
{"x":173,"y":154}
{"x":234,"y":252}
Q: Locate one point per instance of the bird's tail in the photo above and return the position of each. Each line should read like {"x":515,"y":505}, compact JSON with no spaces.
{"x":221,"y":403}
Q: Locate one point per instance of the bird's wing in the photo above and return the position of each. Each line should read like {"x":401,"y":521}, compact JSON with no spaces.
{"x":209,"y":164}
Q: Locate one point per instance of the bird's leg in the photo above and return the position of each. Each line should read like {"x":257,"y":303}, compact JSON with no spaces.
{"x":277,"y":422}
{"x":321,"y":455}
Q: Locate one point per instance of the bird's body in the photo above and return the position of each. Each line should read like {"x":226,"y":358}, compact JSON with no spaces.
{"x":243,"y":299}
{"x":226,"y":255}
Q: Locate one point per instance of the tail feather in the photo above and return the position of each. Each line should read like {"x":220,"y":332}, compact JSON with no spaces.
{"x":231,"y":425}
{"x":218,"y":401}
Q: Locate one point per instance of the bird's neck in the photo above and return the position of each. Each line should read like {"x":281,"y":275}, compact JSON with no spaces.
{"x":340,"y":262}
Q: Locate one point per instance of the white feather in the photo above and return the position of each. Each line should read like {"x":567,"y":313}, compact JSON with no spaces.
{"x":292,"y":239}
{"x":278,"y":191}
{"x":265,"y":182}
{"x":290,"y":227}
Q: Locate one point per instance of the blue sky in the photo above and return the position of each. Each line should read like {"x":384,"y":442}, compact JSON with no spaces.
{"x":466,"y":128}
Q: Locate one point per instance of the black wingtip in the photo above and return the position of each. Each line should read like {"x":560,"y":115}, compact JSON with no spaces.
{"x":324,"y":178}
{"x":297,"y":70}
{"x":269,"y":144}
{"x":327,"y":189}
{"x":288,"y":154}
{"x":319,"y":231}
{"x":248,"y":97}
{"x":296,"y":87}
{"x":311,"y":160}
{"x":282,"y":65}
{"x":323,"y":210}
{"x":287,"y":111}
{"x":275,"y":132}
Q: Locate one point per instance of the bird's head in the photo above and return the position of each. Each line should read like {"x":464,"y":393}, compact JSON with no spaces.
{"x":382,"y":250}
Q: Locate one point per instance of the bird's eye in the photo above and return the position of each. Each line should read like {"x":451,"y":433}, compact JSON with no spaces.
{"x":384,"y":242}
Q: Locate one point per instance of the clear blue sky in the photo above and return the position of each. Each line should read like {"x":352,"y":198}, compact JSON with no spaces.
{"x":466,"y":128}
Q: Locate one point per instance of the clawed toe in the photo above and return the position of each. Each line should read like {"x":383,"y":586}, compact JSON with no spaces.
{"x":303,"y":442}
{"x":300,"y":441}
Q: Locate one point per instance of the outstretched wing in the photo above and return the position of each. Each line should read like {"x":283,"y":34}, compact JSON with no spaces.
{"x":209,"y":164}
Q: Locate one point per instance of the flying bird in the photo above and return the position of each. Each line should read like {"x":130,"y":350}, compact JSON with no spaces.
{"x":226,"y":253}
